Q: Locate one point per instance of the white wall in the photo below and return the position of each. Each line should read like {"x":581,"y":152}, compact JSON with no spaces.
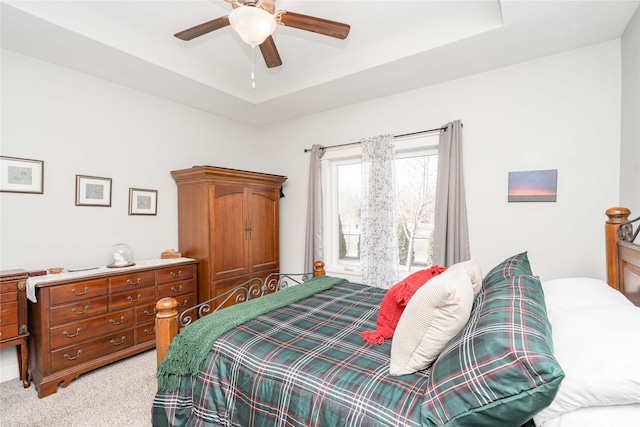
{"x":630,"y":121}
{"x":79,"y":124}
{"x":82,"y":125}
{"x":559,"y":112}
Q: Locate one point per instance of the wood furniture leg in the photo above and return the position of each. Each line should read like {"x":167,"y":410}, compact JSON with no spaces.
{"x":23,"y":361}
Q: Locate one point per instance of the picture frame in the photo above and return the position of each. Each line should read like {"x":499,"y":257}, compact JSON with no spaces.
{"x":533,"y":186}
{"x":143,"y":201}
{"x":93,"y":191}
{"x":21,"y":175}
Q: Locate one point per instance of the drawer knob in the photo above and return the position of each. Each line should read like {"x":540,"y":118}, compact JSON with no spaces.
{"x":114,"y":342}
{"x":115,"y":322}
{"x":66,"y":356}
{"x":74,"y":335}
{"x":131,"y":282}
{"x":130,"y":298}
{"x":75,"y":310}
{"x":185,"y":302}
{"x":74,"y":291}
{"x":174,"y":274}
{"x":176,"y":290}
{"x":150,"y":332}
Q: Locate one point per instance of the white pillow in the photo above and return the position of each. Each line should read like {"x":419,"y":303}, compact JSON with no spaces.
{"x":598,"y":348}
{"x":472,"y":269}
{"x":560,"y":294}
{"x":435,"y":313}
{"x":598,"y":416}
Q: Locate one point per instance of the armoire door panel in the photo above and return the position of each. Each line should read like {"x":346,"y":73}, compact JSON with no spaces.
{"x":264,"y":251}
{"x":229,"y":231}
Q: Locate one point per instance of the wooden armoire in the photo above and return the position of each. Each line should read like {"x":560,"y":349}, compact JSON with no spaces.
{"x":229,"y":220}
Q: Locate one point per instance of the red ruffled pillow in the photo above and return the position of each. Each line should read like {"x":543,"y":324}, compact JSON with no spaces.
{"x":394,"y":302}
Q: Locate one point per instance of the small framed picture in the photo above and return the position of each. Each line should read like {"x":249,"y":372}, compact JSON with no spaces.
{"x":93,"y":191}
{"x":143,"y":202}
{"x":533,"y":186}
{"x":21,"y":175}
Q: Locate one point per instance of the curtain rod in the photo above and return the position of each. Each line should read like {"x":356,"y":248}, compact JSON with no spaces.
{"x":306,"y":150}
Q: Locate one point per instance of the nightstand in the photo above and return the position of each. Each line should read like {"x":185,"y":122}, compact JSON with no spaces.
{"x":14,"y":328}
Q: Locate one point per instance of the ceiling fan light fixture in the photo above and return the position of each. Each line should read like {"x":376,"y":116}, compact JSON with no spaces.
{"x":252,"y":23}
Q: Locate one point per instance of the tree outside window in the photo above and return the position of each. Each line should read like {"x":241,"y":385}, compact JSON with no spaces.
{"x":416,"y":177}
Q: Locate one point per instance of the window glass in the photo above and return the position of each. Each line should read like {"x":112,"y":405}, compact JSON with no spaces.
{"x":416,"y":175}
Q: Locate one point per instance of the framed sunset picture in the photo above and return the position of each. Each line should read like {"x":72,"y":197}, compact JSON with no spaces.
{"x":533,"y":186}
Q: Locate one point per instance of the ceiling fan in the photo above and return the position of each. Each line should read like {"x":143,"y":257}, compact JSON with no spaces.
{"x":255,"y":21}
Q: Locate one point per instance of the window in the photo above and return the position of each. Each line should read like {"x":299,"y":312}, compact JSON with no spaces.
{"x":416,"y":174}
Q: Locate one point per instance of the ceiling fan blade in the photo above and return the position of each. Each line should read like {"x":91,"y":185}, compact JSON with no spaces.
{"x":270,"y":53}
{"x":313,"y":24}
{"x":202,"y":29}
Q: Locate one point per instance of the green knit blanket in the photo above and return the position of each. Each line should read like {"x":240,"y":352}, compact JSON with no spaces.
{"x":189,"y":349}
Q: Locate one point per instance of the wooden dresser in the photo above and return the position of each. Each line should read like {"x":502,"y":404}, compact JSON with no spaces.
{"x":14,"y":327}
{"x":229,"y":220}
{"x":82,"y":321}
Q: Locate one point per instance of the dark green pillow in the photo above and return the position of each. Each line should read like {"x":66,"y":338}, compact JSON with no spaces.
{"x":500,"y":369}
{"x":516,"y":265}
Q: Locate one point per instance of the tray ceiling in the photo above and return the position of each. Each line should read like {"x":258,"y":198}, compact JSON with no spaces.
{"x":394,"y":46}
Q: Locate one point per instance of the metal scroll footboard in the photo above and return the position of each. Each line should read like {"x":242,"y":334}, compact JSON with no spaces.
{"x":626,"y":231}
{"x":251,"y":289}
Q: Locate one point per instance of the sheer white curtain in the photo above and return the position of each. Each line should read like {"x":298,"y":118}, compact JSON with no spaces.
{"x":378,"y":235}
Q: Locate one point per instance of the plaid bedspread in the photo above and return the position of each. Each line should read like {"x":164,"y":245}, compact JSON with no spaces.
{"x":306,"y":365}
{"x":301,"y":365}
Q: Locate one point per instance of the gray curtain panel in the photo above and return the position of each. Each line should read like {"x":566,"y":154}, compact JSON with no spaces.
{"x":313,"y":246}
{"x":451,"y":231}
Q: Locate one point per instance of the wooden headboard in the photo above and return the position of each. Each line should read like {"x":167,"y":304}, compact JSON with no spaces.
{"x":623,"y":256}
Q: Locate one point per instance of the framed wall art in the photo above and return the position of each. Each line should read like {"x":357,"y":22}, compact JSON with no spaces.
{"x":21,"y":175}
{"x":143,"y":202}
{"x":533,"y":186}
{"x":93,"y":191}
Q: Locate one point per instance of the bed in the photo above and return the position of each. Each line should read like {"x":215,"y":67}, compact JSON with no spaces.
{"x":511,"y":350}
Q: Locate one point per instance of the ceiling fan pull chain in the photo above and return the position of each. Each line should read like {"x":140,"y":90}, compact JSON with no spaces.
{"x":253,"y":77}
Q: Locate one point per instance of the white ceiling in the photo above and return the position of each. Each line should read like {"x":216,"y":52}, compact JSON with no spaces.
{"x":393,"y":46}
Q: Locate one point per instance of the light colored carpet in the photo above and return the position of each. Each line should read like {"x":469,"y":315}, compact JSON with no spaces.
{"x":119,"y":394}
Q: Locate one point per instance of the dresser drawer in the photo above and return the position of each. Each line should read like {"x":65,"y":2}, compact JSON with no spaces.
{"x":90,"y":350}
{"x":147,"y":312}
{"x":173,"y":289}
{"x":8,"y":331}
{"x":184,"y":302}
{"x":174,"y":274}
{"x":145,"y":332}
{"x":8,"y":317}
{"x":78,"y":291}
{"x":132,"y":281}
{"x":8,"y":306}
{"x":78,"y":311}
{"x":11,"y":294}
{"x":133,"y":298}
{"x":75,"y":332}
